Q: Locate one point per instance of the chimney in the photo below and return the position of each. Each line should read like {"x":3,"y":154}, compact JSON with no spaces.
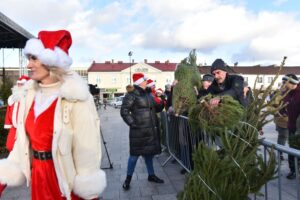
{"x":112,"y":60}
{"x":120,"y":62}
{"x":107,"y":62}
{"x":167,"y":62}
{"x":132,"y":60}
{"x":145,"y":60}
{"x":94,"y":62}
{"x":157,"y":62}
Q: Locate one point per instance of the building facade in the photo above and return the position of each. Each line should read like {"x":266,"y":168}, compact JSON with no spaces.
{"x":112,"y":78}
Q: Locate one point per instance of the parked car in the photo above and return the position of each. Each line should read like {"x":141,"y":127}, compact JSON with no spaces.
{"x":118,"y":102}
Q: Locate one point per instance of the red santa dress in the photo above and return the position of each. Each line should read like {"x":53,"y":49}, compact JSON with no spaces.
{"x":40,"y":131}
{"x":10,"y":123}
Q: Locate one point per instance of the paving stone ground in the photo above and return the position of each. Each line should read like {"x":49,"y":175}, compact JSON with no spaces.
{"x":115,"y":133}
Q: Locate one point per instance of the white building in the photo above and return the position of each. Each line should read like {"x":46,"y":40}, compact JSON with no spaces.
{"x":113,"y":77}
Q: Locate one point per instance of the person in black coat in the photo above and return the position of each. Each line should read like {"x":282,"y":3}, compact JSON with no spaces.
{"x":226,"y":84}
{"x":138,"y":110}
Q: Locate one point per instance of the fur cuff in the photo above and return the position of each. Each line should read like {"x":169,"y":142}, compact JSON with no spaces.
{"x":10,"y":173}
{"x":7,"y":126}
{"x":90,"y":186}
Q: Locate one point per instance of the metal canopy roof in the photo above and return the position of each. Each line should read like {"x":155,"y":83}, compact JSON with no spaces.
{"x":11,"y":34}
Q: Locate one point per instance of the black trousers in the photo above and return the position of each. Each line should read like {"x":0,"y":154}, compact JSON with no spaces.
{"x":290,"y":157}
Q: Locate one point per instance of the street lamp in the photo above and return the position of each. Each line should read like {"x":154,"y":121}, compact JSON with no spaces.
{"x":130,"y":54}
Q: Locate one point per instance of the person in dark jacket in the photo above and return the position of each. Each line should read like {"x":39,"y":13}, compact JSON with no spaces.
{"x":139,"y":112}
{"x":225,"y":84}
{"x":293,"y":112}
{"x":247,"y":94}
{"x":207,"y":80}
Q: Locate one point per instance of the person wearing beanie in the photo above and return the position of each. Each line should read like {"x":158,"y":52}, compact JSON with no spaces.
{"x":58,"y":125}
{"x":225,"y":84}
{"x":291,"y":82}
{"x":207,"y":80}
{"x":138,"y":111}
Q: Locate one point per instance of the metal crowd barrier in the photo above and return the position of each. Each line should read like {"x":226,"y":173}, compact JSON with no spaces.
{"x":180,"y":142}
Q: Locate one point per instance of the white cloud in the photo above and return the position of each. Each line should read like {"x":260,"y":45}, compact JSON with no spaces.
{"x":209,"y":25}
{"x":279,"y":2}
{"x":216,"y":28}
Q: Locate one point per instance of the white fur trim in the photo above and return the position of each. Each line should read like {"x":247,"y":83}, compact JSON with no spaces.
{"x":90,"y":186}
{"x":74,"y":88}
{"x":21,"y":81}
{"x":10,"y":100}
{"x":139,"y":81}
{"x":34,"y":47}
{"x":7,"y":126}
{"x":10,"y":173}
{"x":151,"y":84}
{"x":14,"y":114}
{"x":49,"y":57}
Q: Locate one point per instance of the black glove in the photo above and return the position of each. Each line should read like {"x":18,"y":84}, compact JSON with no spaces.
{"x":163,"y":97}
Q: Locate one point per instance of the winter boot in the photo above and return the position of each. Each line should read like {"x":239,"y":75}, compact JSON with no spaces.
{"x":126,"y":184}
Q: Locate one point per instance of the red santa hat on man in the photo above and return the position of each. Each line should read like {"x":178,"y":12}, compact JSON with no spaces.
{"x":23,"y":79}
{"x":138,"y":78}
{"x":51,"y":48}
{"x":150,"y":83}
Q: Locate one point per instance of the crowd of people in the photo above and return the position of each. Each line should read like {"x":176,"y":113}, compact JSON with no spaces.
{"x":54,"y":127}
{"x":218,"y":83}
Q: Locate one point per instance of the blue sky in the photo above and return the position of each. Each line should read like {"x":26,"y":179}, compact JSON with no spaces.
{"x":249,"y":32}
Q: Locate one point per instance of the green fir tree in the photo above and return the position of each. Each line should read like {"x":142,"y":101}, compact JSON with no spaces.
{"x":188,"y":77}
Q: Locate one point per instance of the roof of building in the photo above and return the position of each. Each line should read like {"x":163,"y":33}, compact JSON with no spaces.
{"x":119,"y":66}
{"x":254,"y":70}
{"x":12,"y":35}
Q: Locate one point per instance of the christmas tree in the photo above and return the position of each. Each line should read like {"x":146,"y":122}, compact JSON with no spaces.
{"x":188,"y":77}
{"x":236,"y":168}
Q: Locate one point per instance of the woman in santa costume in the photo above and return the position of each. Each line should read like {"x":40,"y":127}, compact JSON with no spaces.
{"x":58,"y":145}
{"x":12,"y":111}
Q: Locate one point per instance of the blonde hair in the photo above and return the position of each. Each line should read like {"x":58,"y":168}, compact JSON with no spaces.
{"x":57,"y":73}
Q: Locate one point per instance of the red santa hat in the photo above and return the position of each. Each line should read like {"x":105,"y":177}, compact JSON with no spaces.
{"x":51,"y":48}
{"x":150,"y":83}
{"x":159,"y":90}
{"x":23,"y":79}
{"x":138,"y":78}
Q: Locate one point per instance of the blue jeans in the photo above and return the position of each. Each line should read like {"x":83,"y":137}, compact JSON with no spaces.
{"x":132,"y":162}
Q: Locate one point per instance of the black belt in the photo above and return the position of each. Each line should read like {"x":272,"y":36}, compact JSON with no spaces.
{"x":42,"y":155}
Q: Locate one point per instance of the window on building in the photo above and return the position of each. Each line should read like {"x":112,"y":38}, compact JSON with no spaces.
{"x":246,"y":79}
{"x":98,"y":80}
{"x":168,"y":80}
{"x":114,"y":80}
{"x":259,"y":79}
{"x":270,"y":79}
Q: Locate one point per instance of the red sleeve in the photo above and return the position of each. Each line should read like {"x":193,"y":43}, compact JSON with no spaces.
{"x":8,"y":116}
